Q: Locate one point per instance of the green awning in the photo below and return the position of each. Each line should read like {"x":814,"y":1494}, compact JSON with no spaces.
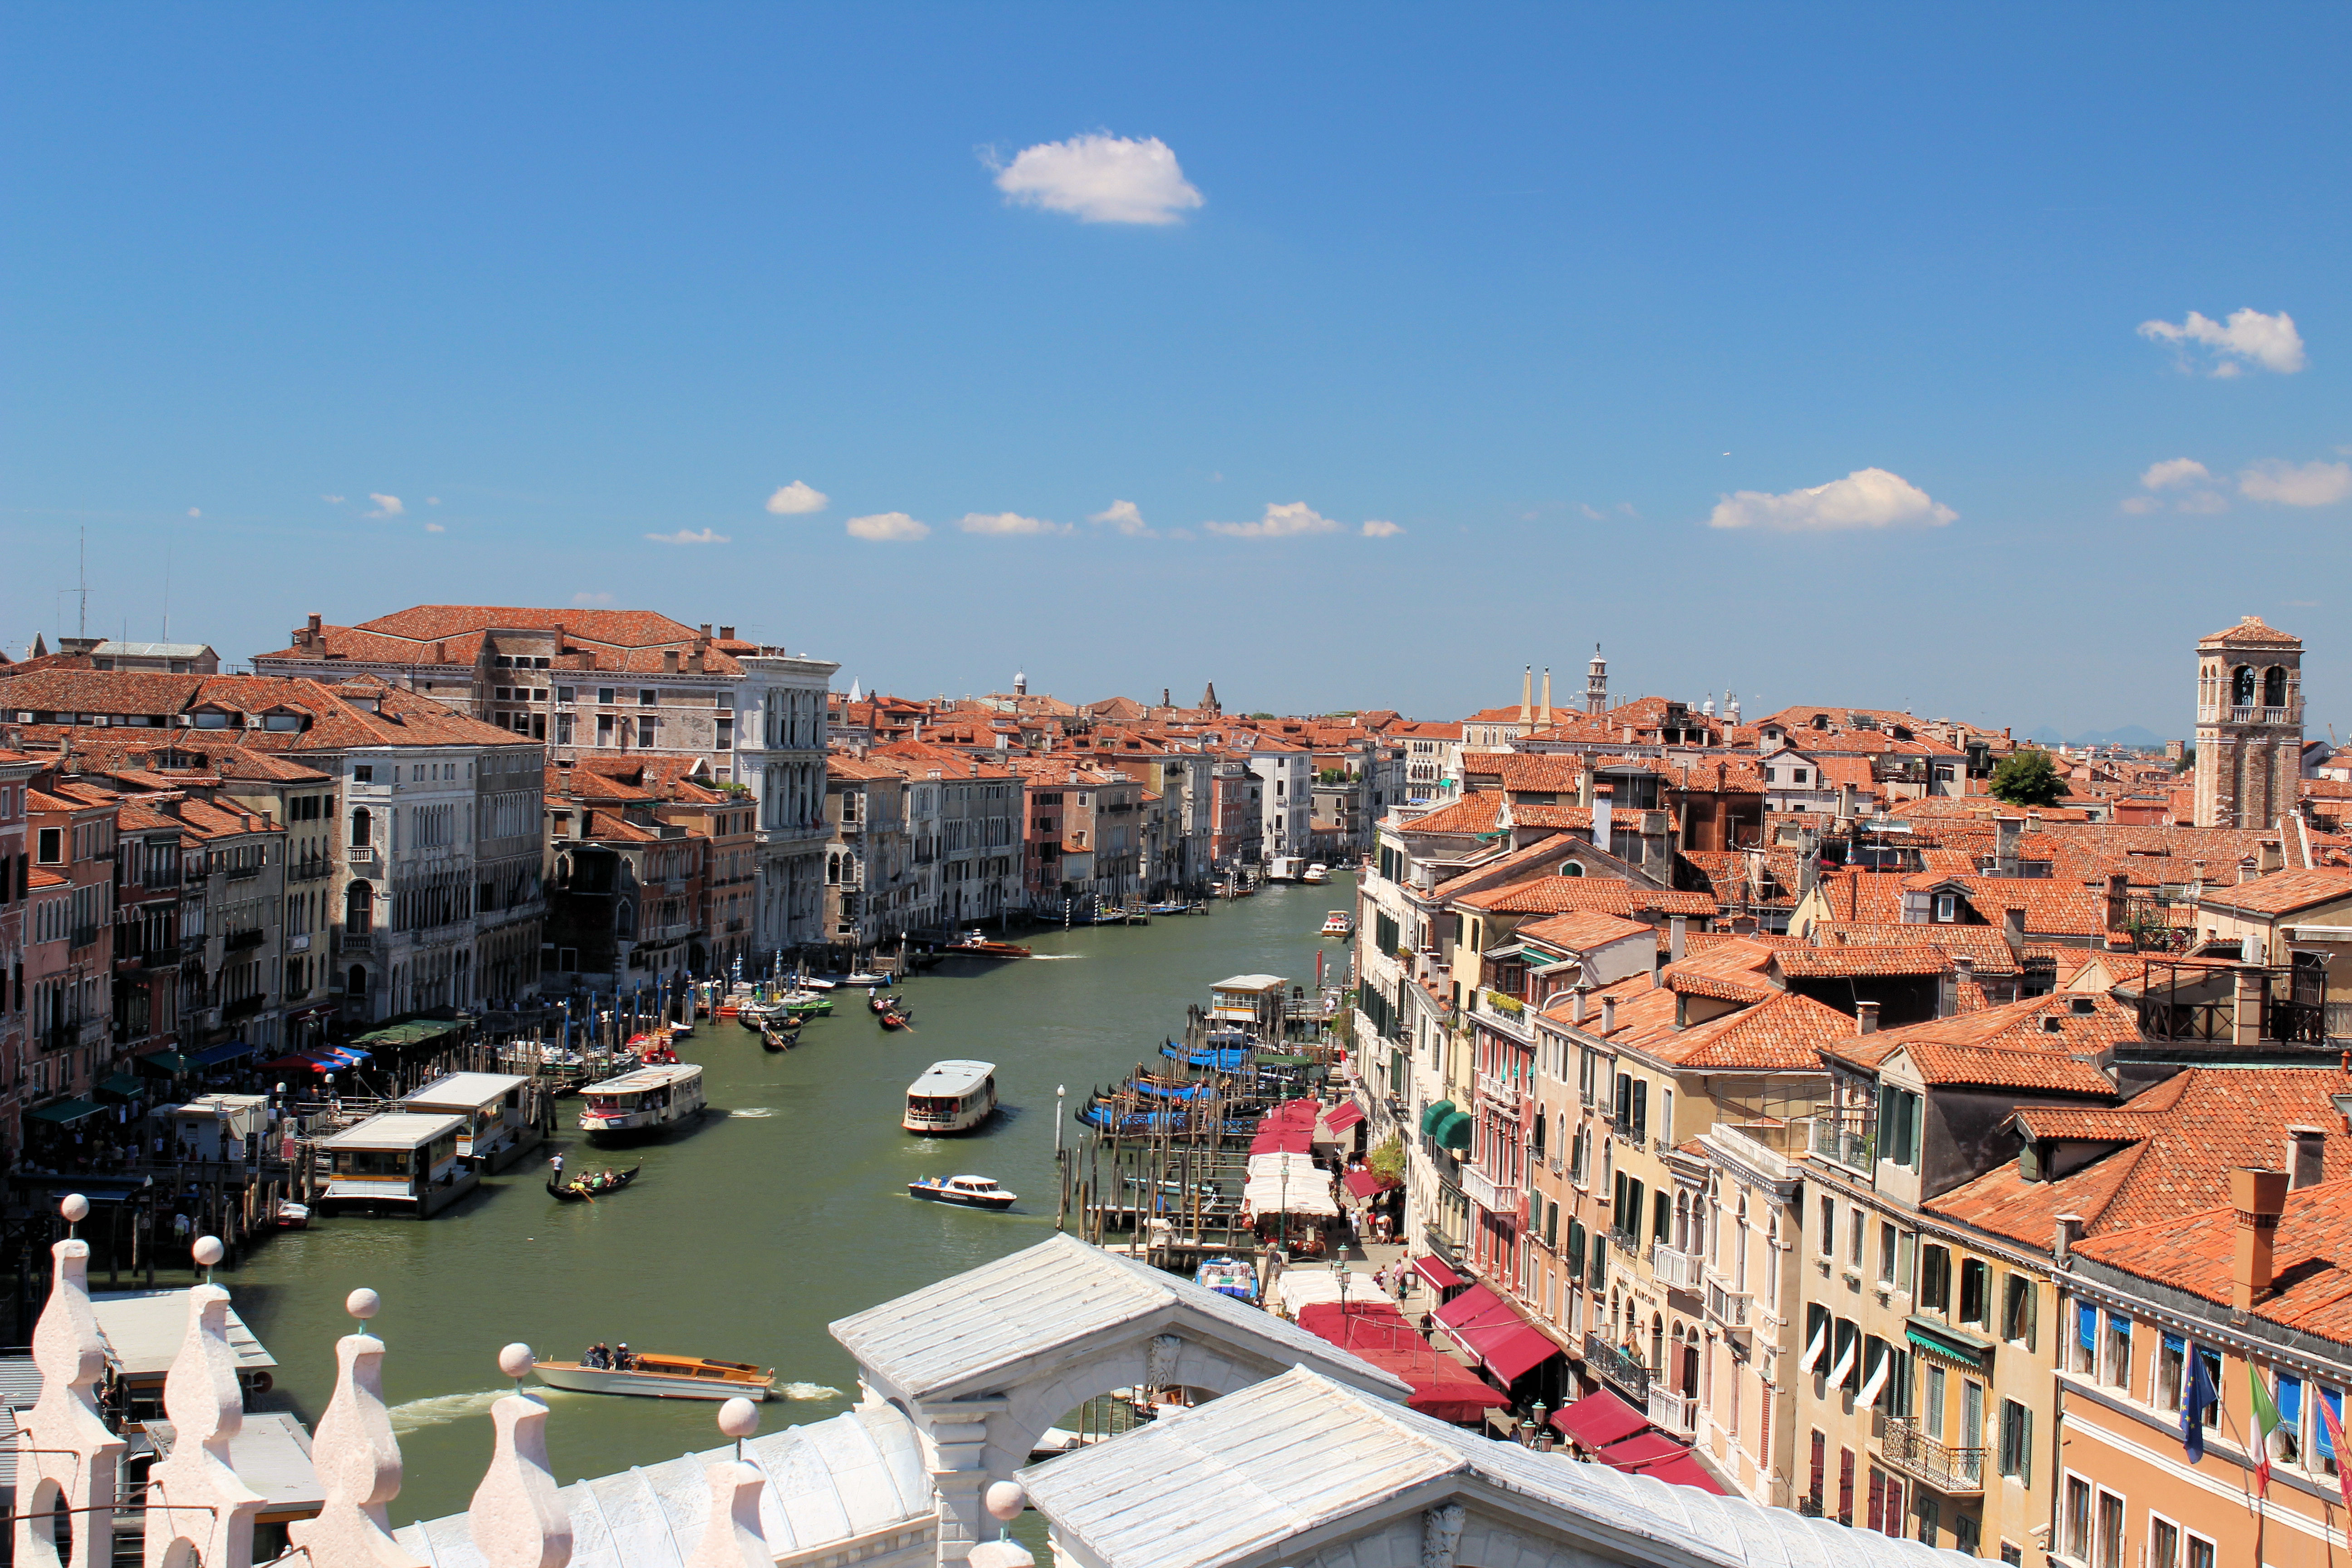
{"x":65,"y":1112}
{"x":1953,"y":1344}
{"x":392,"y":1037}
{"x":163,"y":1064}
{"x":1454,"y":1132}
{"x":1439,"y":1110}
{"x":122,"y":1085}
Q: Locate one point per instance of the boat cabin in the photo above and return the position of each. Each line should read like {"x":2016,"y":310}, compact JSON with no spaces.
{"x":646,"y":1100}
{"x":951,"y":1097}
{"x":1253,"y":999}
{"x":402,"y":1163}
{"x":498,"y":1129}
{"x":213,"y":1126}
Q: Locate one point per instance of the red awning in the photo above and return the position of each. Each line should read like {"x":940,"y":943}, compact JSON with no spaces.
{"x":1345,"y":1325}
{"x":1598,"y":1419}
{"x":1641,"y":1450}
{"x":1282,"y":1139}
{"x":1685,"y":1471}
{"x":1368,"y":1183}
{"x":1468,"y":1307}
{"x":1441,"y":1389}
{"x":1434,"y":1270}
{"x":1511,"y":1351}
{"x":1346,"y":1114}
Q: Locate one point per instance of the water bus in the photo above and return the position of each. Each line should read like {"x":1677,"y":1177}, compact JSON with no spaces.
{"x":951,"y":1097}
{"x":645,"y":1103}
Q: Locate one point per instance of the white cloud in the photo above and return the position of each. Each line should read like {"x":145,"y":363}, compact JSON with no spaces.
{"x":1590,"y":510}
{"x":387,"y":506}
{"x":688,"y":536}
{"x":1100,"y":178}
{"x":1125,"y":516}
{"x":2312,"y":484}
{"x":2249,"y":337}
{"x":1380,"y":530}
{"x":592,"y":600}
{"x":1867,"y":497}
{"x":332,"y":500}
{"x":432,"y":500}
{"x":796,"y":499}
{"x":1280,"y":521}
{"x":2174,"y":472}
{"x":193,"y":511}
{"x":435,"y":528}
{"x":888,"y":527}
{"x":1009,"y":522}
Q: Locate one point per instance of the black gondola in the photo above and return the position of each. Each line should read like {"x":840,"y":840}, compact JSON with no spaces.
{"x":596,"y":1186}
{"x":775,"y":1039}
{"x":896,"y":1018}
{"x":879,"y":1002}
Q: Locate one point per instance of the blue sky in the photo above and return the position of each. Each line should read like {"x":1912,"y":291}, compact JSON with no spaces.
{"x":1550,"y":290}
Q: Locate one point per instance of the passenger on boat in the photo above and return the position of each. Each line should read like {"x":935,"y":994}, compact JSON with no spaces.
{"x":622,"y":1360}
{"x":597,"y":1356}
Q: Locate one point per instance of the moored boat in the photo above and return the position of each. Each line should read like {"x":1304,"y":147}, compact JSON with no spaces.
{"x":292,"y":1215}
{"x":1228,"y":1277}
{"x":864,"y":977}
{"x":971,"y":1192}
{"x":950,"y":1096}
{"x":662,"y":1378}
{"x":646,"y":1103}
{"x":806,"y":1004}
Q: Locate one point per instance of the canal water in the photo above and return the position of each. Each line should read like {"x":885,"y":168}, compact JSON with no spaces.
{"x":784,"y":1209}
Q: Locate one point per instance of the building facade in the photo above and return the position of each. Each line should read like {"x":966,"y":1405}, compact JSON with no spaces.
{"x":2249,"y":725}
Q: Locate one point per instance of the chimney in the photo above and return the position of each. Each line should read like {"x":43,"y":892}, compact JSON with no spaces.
{"x":1527,"y":694}
{"x":727,"y":633}
{"x":2033,"y":819}
{"x":2118,"y":898}
{"x":2012,"y":926}
{"x":1601,"y":830}
{"x":2272,"y":858}
{"x":1575,"y":1006}
{"x":2306,"y":1155}
{"x":1676,"y":928}
{"x":2258,"y":1197}
{"x":314,"y":634}
{"x":1609,"y":1015}
{"x":1845,"y":803}
{"x":2004,"y":845}
{"x":704,"y":630}
{"x":2067,"y":1231}
{"x":669,"y":661}
{"x":441,"y":652}
{"x":1584,"y":779}
{"x":1964,"y":969}
{"x":1547,"y":695}
{"x":1865,"y":1018}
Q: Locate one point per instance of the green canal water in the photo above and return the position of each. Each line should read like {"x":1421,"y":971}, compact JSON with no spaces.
{"x":783,"y":1210}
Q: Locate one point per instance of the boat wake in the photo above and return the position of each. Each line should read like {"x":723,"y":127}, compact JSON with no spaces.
{"x":753,"y":1111}
{"x":440,"y":1410}
{"x":807,"y":1391}
{"x":1054,"y":957}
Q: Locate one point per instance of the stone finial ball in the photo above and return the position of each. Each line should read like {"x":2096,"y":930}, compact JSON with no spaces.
{"x":515,"y":1359}
{"x":362,"y":1303}
{"x":738,"y":1418}
{"x":1004,"y":1500}
{"x":76,"y":1208}
{"x":208,"y":1250}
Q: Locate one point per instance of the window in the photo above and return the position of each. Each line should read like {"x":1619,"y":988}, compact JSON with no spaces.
{"x":645,"y":731}
{"x":1931,"y":1406}
{"x":1974,"y":1279}
{"x":603,"y":728}
{"x":2077,"y":1521}
{"x":2321,"y":1444}
{"x":1641,"y":1111}
{"x":646,"y":696}
{"x":1854,"y":1240}
{"x":1931,"y":1512}
{"x":1885,"y":1253}
{"x":2017,"y":1441}
{"x":2171,"y":1353}
{"x":2016,"y":1311}
{"x":1661,"y":1218}
{"x":1899,"y":1117}
{"x":2163,"y":1542}
{"x":2117,"y":1355}
{"x":1946,"y":906}
{"x":2286,"y":1442}
{"x":563,"y":696}
{"x":2082,"y":1351}
{"x":1820,"y":1471}
{"x":362,"y":828}
{"x":2110,"y":1541}
{"x":1829,"y":1229}
{"x":605,"y":695}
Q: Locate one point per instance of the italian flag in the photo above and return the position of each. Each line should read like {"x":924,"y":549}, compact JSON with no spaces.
{"x":2266,"y":1421}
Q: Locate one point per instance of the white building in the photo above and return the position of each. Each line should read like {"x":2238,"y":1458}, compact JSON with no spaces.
{"x":779,"y":755}
{"x":1288,"y":803}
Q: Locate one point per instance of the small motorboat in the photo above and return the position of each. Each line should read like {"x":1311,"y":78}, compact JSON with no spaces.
{"x":971,"y":944}
{"x":805,"y":982}
{"x":751,"y":1014}
{"x":1339,"y":922}
{"x":1228,"y":1277}
{"x":806,"y":1004}
{"x":292,"y":1215}
{"x":595,"y":1184}
{"x":866,"y":977}
{"x":970,"y":1191}
{"x":662,"y":1378}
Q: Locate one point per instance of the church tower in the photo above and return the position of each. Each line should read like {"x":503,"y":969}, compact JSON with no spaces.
{"x":1596,"y":684}
{"x":2249,"y":725}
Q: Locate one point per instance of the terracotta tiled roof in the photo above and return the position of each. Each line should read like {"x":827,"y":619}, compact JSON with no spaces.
{"x":1873,"y":898}
{"x":2282,"y":893}
{"x":1984,"y":945}
{"x":2311,"y":1258}
{"x":1582,"y":931}
{"x":1559,"y":895}
{"x":1737,"y":970}
{"x":1556,"y":816}
{"x":1785,"y":1033}
{"x":2038,"y":1044}
{"x":2252,"y":629}
{"x":1471,"y":814}
{"x":1846,"y":962}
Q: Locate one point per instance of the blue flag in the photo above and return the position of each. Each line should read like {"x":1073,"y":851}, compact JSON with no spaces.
{"x":2201,"y":1396}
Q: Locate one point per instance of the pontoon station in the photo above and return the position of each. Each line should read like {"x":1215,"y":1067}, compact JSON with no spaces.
{"x":498,"y":1130}
{"x":403,"y":1163}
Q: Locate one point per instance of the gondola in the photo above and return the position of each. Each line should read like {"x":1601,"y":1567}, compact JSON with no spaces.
{"x":895,"y":1019}
{"x":879,"y":1003}
{"x":775,"y":1039}
{"x":596,"y":1186}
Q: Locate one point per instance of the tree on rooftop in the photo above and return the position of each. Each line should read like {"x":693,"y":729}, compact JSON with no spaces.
{"x":2027,"y":777}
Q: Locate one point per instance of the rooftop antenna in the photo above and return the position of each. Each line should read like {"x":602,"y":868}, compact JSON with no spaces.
{"x":81,"y":622}
{"x":167,"y":595}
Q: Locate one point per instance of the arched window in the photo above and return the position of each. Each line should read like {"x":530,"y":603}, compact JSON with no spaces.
{"x":2241,"y":687}
{"x":2275,"y":687}
{"x":356,"y":982}
{"x":362,"y":828}
{"x":624,"y":919}
{"x":358,"y":908}
{"x":1571,"y":869}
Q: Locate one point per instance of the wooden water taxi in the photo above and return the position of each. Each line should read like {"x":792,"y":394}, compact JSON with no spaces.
{"x":663,"y":1377}
{"x":970,"y":1191}
{"x":646,"y":1103}
{"x":971,"y":944}
{"x":951,"y":1097}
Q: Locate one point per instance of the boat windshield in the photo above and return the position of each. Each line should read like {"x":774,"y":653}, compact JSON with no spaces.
{"x":611,"y":1104}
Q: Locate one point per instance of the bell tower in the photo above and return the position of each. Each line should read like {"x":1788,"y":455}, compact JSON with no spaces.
{"x":2249,"y":725}
{"x":1596,"y":684}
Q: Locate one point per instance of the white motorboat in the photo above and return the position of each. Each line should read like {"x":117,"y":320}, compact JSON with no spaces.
{"x":1339,"y":922}
{"x":646,"y":1103}
{"x":1315,"y":874}
{"x":971,"y":1192}
{"x":951,"y":1097}
{"x":662,"y":1378}
{"x":866,"y":977}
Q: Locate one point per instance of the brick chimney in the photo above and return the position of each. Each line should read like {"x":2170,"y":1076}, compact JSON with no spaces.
{"x":1865,"y":1018}
{"x":314,"y":635}
{"x":2067,"y":1230}
{"x":669,"y":661}
{"x":2258,"y":1197}
{"x":1676,"y":930}
{"x":1609,"y":1015}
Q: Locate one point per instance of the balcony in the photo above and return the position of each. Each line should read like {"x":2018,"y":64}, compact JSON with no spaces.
{"x":310,"y":870}
{"x":1954,"y":1472}
{"x":1728,"y":1308}
{"x":238,"y":941}
{"x":2292,"y":714}
{"x":1676,"y":1270}
{"x":1502,"y":1093}
{"x":1849,"y":1146}
{"x":1488,"y":1193}
{"x":1673,"y":1413}
{"x":362,"y":859}
{"x":242,"y":873}
{"x":1621,"y":1369}
{"x":1625,"y":1241}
